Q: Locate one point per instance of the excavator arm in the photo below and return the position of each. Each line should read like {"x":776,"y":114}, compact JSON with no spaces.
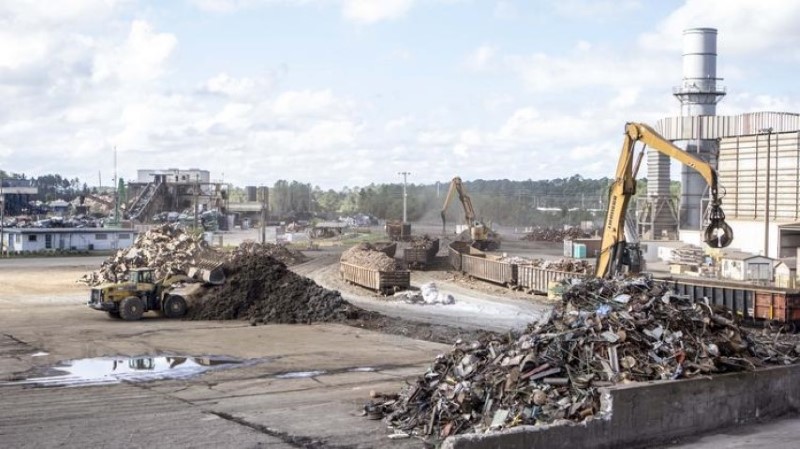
{"x":615,"y":252}
{"x":457,"y":188}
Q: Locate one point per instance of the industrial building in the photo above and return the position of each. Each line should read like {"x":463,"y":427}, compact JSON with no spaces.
{"x":17,"y":240}
{"x":757,"y":157}
{"x":174,"y":190}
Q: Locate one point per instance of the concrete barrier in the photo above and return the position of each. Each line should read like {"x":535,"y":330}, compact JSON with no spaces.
{"x":656,"y":412}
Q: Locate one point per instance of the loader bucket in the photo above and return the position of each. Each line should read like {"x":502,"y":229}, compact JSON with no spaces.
{"x":208,"y":271}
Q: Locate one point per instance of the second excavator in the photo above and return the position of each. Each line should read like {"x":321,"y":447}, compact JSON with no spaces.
{"x":482,"y":236}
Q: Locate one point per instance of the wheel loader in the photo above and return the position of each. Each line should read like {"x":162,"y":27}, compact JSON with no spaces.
{"x":141,"y":293}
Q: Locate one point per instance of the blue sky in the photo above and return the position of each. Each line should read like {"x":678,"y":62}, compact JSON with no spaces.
{"x":349,"y":92}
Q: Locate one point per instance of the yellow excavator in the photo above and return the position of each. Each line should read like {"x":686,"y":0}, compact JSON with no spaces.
{"x":617,"y":255}
{"x":480,"y":234}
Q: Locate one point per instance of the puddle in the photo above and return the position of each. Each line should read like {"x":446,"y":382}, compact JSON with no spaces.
{"x":40,"y":354}
{"x":112,"y":370}
{"x":363,"y":369}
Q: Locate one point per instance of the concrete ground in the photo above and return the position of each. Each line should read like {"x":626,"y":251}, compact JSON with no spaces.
{"x":43,"y":320}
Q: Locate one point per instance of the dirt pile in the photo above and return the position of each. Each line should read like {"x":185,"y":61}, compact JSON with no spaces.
{"x":555,"y":235}
{"x":261,"y":289}
{"x":603,"y":333}
{"x":368,"y":256}
{"x":167,"y":248}
{"x":279,"y":252}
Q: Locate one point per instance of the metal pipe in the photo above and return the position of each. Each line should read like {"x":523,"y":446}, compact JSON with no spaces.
{"x":768,"y":131}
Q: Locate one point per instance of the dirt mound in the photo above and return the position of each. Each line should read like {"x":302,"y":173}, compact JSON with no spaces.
{"x":368,"y":256}
{"x":604,"y":333}
{"x":261,"y":289}
{"x":279,"y":252}
{"x":167,"y":248}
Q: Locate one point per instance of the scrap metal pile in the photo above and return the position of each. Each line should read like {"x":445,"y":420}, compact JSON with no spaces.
{"x":555,"y":235}
{"x":568,"y":265}
{"x":368,"y":256}
{"x":603,"y":333}
{"x":167,"y":248}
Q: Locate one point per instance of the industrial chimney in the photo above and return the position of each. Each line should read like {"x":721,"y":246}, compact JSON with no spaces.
{"x":699,"y":95}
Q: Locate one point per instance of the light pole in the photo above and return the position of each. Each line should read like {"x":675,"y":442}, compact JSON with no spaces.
{"x":768,"y":132}
{"x":405,"y":195}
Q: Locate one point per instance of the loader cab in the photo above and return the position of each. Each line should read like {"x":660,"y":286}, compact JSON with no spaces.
{"x":142,"y":276}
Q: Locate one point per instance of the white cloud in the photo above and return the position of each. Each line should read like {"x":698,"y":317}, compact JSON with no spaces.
{"x":481,"y":58}
{"x":745,"y":27}
{"x":310,"y":103}
{"x":224,"y":84}
{"x":505,"y":10}
{"x":141,"y":58}
{"x":371,"y":11}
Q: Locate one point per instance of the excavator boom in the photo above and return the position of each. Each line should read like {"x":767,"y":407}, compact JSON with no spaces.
{"x":615,"y":252}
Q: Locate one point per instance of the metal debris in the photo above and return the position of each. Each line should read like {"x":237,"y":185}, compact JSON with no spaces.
{"x":552,"y":371}
{"x":555,"y":235}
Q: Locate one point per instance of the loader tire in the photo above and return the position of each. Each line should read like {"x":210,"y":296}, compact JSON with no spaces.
{"x":174,"y":306}
{"x":131,"y":308}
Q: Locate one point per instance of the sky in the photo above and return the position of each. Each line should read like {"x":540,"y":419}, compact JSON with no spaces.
{"x":350,"y":92}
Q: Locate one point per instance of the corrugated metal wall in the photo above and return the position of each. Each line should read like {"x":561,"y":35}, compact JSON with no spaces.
{"x":744,"y":174}
{"x":720,"y":126}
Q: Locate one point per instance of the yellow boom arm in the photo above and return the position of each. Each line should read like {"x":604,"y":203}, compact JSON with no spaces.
{"x":456,"y":187}
{"x":613,"y":253}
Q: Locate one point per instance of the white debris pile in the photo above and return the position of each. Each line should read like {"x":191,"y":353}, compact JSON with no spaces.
{"x":167,"y":248}
{"x":427,"y":294}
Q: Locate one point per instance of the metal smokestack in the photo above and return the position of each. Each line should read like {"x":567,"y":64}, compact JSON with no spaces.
{"x":699,"y":95}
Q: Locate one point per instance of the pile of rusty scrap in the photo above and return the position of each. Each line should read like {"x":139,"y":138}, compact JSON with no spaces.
{"x":368,"y":256}
{"x":167,"y":248}
{"x":279,"y":252}
{"x":603,"y":333}
{"x":555,"y":235}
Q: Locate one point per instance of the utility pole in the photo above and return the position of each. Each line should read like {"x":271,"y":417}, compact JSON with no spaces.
{"x":405,"y":195}
{"x":264,"y":207}
{"x":196,"y":187}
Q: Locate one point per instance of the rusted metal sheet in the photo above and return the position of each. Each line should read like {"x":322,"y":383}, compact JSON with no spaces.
{"x":537,"y":280}
{"x":777,"y":306}
{"x":382,"y":281}
{"x":481,"y":267}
